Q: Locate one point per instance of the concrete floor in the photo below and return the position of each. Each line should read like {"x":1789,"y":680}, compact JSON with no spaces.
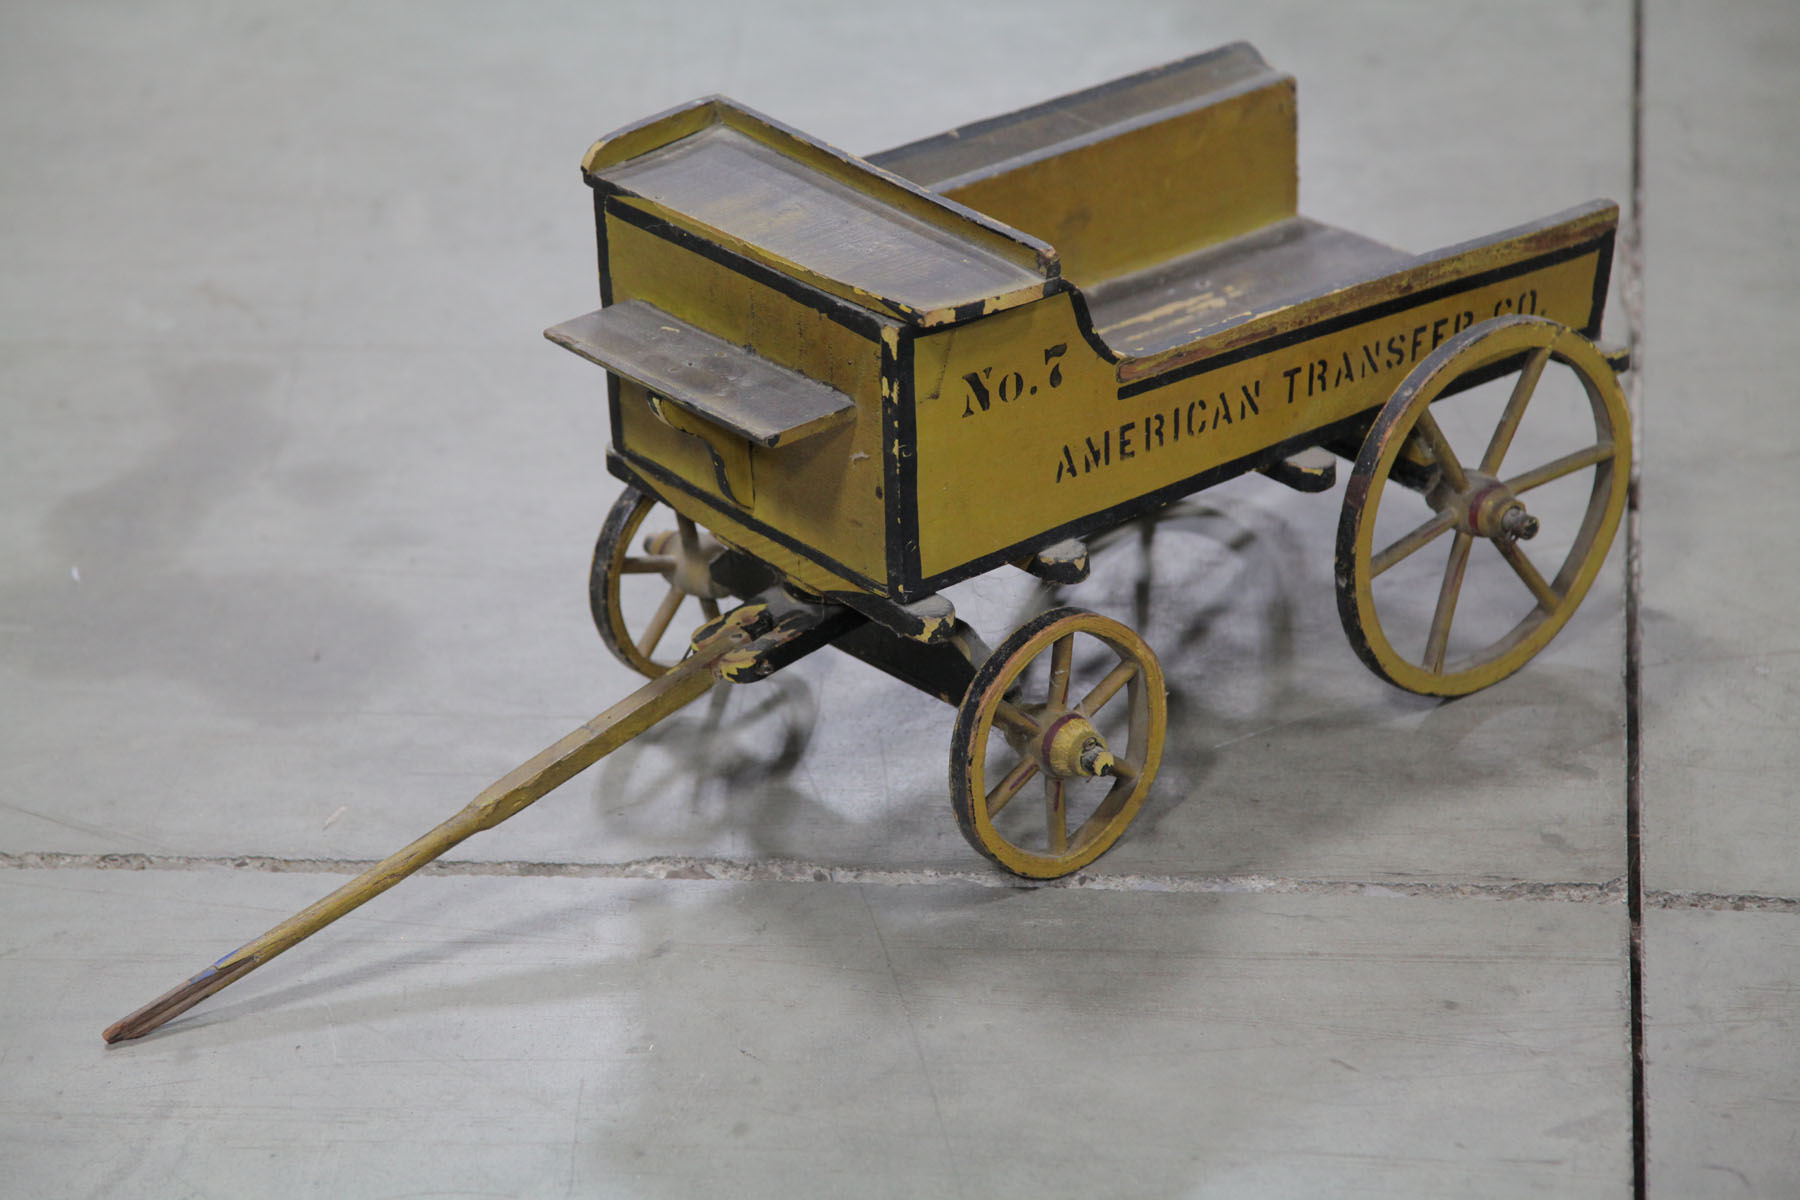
{"x":295,"y":506}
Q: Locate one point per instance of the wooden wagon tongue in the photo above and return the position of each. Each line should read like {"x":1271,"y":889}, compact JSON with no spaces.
{"x":747,"y":643}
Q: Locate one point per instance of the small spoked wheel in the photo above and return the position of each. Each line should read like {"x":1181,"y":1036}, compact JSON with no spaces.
{"x":1057,"y":742}
{"x":642,"y":577}
{"x":1562,"y":495}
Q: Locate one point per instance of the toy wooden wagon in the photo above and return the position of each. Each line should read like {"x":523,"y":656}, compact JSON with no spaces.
{"x":838,"y":386}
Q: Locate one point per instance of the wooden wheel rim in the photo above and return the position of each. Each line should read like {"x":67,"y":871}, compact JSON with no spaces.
{"x":613,"y":560}
{"x":1479,"y":349}
{"x":1143,"y":693}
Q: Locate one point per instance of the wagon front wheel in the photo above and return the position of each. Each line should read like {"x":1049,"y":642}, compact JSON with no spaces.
{"x":1056,"y":743}
{"x":649,"y":563}
{"x":1533,"y":522}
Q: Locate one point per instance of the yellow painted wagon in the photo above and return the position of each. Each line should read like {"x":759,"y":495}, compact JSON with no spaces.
{"x":838,"y":386}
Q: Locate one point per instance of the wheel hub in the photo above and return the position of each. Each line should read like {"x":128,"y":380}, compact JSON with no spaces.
{"x":692,"y":572}
{"x":1071,"y":748}
{"x":1488,"y":508}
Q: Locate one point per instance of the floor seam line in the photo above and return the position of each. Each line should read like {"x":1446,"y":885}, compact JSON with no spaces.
{"x":679,"y":868}
{"x":1633,"y":302}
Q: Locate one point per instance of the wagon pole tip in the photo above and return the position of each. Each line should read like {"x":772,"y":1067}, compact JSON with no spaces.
{"x":173,"y":1003}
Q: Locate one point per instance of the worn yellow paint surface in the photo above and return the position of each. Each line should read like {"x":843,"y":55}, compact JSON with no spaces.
{"x":1448,"y":267}
{"x":981,"y":483}
{"x":789,"y":202}
{"x":1149,"y":194}
{"x":1045,"y":455}
{"x":824,"y":492}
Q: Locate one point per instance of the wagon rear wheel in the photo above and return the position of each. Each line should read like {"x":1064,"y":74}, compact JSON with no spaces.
{"x":649,"y":563}
{"x":1488,"y":504}
{"x":1057,"y":742}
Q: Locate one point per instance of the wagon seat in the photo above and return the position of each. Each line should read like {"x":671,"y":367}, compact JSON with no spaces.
{"x":1170,"y":196}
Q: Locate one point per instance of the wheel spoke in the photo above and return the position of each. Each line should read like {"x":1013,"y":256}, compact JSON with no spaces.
{"x":1106,"y":689}
{"x":1008,"y":714}
{"x":709,"y":608}
{"x":1515,"y":410}
{"x":1056,"y":815}
{"x":1062,"y":656}
{"x":659,"y":624}
{"x":1418,"y":539}
{"x":1439,"y":638}
{"x":648,"y":564}
{"x":690,"y":537}
{"x":1515,"y":555}
{"x":1441,"y":452}
{"x":1123,"y":770}
{"x":1555,"y":469}
{"x":1009,"y":787}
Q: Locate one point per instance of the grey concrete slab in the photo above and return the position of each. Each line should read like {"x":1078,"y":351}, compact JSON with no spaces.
{"x":535,"y":1036}
{"x":1723,"y":1042}
{"x":284,"y":409}
{"x":1721,"y":668}
{"x":294,"y":514}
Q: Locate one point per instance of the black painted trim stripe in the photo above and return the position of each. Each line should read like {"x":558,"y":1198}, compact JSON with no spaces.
{"x":857,"y":320}
{"x":893,"y":490}
{"x":603,"y":255}
{"x":1602,"y":278}
{"x":1084,"y":321}
{"x":601,"y":251}
{"x":904,"y":583}
{"x":638,"y":471}
{"x":1361,"y":316}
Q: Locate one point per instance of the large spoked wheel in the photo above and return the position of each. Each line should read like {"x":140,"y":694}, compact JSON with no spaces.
{"x":1071,"y":711}
{"x":672,"y":564}
{"x":1565,"y":500}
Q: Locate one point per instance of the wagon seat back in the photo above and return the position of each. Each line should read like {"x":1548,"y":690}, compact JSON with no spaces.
{"x":1133,"y":173}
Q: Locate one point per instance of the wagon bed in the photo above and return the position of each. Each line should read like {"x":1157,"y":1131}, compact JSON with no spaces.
{"x":1042,"y":324}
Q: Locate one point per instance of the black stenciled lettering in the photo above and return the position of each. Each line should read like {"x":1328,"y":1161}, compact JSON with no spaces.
{"x":1315,"y":376}
{"x":1437,"y":331}
{"x":1289,"y":375}
{"x":1153,"y":431}
{"x":1369,"y":365}
{"x":1125,"y":432}
{"x":1065,"y":466}
{"x":1098,"y":456}
{"x":1396,"y":350}
{"x":1051,"y":354}
{"x":1011,"y":387}
{"x":978,"y":391}
{"x":1252,"y":393}
{"x":1418,"y":335}
{"x":1524,"y":302}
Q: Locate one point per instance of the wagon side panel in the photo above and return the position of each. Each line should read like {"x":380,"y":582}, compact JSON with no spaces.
{"x":816,"y":508}
{"x":996,"y":402}
{"x":1039,"y":463}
